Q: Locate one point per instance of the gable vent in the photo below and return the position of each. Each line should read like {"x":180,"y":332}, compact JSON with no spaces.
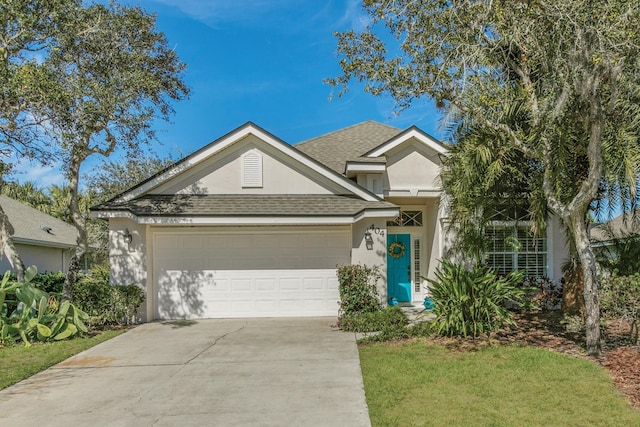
{"x":252,"y":169}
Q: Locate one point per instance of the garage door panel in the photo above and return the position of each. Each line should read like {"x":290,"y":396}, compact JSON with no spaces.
{"x":315,"y":284}
{"x":222,"y":275}
{"x":265,"y":285}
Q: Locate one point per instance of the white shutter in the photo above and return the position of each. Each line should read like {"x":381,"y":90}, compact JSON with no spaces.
{"x":252,"y":170}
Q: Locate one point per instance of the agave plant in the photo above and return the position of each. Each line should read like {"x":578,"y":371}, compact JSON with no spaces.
{"x":471,"y":302}
{"x":28,"y":314}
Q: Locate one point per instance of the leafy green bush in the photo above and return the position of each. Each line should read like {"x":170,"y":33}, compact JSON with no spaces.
{"x":358,"y":290}
{"x":51,"y":283}
{"x":106,"y":304}
{"x":620,"y":298}
{"x":28,"y":313}
{"x":390,"y":317}
{"x":470,"y":302}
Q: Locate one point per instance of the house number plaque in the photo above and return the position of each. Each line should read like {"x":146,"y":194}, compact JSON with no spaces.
{"x":376,"y":230}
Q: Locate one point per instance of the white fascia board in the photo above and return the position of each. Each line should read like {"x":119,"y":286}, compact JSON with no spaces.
{"x":413,"y":133}
{"x":266,"y":220}
{"x":414,"y":192}
{"x":365,"y":167}
{"x":33,"y":242}
{"x":383,"y":213}
{"x":232,"y":138}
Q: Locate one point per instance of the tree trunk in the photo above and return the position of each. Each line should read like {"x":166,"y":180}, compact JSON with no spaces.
{"x":79,"y":222}
{"x":573,"y":288}
{"x":589,"y":266}
{"x":6,"y":234}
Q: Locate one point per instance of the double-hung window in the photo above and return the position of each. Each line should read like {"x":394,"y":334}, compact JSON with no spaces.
{"x":511,"y":246}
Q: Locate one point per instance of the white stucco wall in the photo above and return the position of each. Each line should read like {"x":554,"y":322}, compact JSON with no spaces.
{"x":434,"y":238}
{"x":377,"y":255}
{"x":47,"y":259}
{"x":224,"y":175}
{"x":412,"y":167}
{"x":128,"y":262}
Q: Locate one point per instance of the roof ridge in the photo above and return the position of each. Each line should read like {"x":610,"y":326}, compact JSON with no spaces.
{"x":343,"y":130}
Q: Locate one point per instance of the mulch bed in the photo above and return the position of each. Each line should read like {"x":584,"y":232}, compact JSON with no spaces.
{"x":545,"y":330}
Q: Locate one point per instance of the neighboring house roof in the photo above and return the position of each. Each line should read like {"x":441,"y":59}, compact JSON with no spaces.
{"x":34,"y":227}
{"x":620,"y":227}
{"x":247,"y":206}
{"x":335,"y":149}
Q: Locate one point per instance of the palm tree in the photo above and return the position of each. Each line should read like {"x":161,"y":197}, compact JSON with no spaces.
{"x":28,"y":193}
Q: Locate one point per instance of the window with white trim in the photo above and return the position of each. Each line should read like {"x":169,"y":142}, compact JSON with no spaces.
{"x":252,"y":169}
{"x":512,"y":246}
{"x":407,"y":219}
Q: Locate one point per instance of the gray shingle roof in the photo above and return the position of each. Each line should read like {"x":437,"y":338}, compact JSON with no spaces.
{"x":349,"y":144}
{"x":208,"y":205}
{"x":30,"y":225}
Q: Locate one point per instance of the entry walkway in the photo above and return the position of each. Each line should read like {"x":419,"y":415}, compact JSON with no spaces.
{"x":247,"y":372}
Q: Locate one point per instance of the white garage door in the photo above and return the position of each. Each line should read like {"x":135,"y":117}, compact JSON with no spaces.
{"x":270,"y":274}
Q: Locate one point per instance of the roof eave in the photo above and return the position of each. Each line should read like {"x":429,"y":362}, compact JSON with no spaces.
{"x":386,"y":212}
{"x":35,"y":242}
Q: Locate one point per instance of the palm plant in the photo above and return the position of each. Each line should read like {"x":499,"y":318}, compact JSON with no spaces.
{"x":471,"y":302}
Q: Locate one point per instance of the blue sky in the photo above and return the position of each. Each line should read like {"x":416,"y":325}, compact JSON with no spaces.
{"x":262,"y":61}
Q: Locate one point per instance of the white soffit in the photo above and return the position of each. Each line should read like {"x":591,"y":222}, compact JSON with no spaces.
{"x":230,"y":139}
{"x":412,"y":132}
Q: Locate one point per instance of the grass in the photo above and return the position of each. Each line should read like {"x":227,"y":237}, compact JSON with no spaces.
{"x":18,"y":362}
{"x":422,"y":384}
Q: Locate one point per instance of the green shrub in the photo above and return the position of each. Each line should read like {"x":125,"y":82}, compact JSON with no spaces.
{"x":470,"y":302}
{"x":390,"y":317}
{"x":51,"y":283}
{"x":620,"y":298}
{"x":29,"y":314}
{"x":106,"y":304}
{"x":358,"y":290}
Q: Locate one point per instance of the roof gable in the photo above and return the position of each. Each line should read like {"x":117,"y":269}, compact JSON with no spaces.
{"x":412,"y":133}
{"x":32,"y":226}
{"x":277,"y":146}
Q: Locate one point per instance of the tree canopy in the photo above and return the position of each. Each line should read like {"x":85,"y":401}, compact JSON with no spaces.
{"x":83,"y":80}
{"x":569,"y":68}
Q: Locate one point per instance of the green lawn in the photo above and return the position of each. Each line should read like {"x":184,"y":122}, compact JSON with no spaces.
{"x":423,"y":384}
{"x":18,"y":362}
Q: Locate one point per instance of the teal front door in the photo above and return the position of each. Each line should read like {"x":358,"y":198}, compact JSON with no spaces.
{"x":399,"y":267}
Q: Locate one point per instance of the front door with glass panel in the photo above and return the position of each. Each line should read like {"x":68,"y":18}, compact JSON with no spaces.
{"x":399,"y":267}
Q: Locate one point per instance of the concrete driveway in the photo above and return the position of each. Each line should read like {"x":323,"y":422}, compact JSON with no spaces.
{"x":247,"y":372}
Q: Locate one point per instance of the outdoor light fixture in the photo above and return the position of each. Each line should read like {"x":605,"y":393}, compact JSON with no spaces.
{"x":368,"y":240}
{"x":128,"y":237}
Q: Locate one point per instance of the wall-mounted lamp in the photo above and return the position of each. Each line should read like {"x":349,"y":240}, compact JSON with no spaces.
{"x":128,"y":237}
{"x":368,"y":240}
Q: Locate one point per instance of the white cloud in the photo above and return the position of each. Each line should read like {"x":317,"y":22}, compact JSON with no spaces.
{"x":212,"y":12}
{"x":354,"y":17}
{"x":43,"y":175}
